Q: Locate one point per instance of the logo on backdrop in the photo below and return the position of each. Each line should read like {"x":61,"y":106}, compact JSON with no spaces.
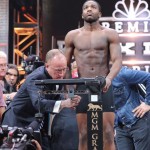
{"x":136,"y":10}
{"x":131,"y":19}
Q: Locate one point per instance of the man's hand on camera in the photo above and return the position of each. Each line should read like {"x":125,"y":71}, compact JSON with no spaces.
{"x":71,"y":102}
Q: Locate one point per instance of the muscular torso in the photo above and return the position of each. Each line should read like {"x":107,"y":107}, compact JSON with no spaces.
{"x":91,"y":53}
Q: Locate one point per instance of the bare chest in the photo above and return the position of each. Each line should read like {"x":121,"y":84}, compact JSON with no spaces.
{"x":91,"y":40}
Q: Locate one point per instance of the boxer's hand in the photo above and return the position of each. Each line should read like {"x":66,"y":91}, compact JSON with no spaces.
{"x":107,"y":85}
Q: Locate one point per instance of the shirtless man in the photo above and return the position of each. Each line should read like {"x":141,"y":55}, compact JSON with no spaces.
{"x":93,"y":47}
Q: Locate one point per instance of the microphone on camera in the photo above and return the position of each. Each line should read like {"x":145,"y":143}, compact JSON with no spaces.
{"x":11,"y":134}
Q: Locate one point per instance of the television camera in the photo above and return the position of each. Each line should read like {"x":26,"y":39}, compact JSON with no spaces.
{"x":16,"y":138}
{"x":31,"y":62}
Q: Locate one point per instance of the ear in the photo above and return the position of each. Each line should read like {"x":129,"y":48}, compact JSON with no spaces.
{"x":82,"y":16}
{"x":100,"y":14}
{"x":46,"y":65}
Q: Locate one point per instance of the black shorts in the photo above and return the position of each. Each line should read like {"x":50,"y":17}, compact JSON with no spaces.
{"x":107,"y":101}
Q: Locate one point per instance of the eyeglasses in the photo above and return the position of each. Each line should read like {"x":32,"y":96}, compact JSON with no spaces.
{"x":59,"y":70}
{"x":3,"y":65}
{"x":10,"y":74}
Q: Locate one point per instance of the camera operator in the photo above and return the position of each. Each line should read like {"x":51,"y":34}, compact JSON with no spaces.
{"x":26,"y":103}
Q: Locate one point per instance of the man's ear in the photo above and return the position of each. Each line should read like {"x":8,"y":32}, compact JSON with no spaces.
{"x":82,"y":17}
{"x":100,"y":14}
{"x":46,"y":65}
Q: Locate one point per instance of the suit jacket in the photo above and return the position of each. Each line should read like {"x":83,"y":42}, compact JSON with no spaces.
{"x":65,"y":131}
{"x":26,"y":103}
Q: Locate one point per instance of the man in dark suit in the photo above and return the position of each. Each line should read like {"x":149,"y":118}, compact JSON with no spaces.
{"x":26,"y":103}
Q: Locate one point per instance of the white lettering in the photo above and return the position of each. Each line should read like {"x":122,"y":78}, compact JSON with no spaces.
{"x":95,"y":148}
{"x":94,"y":121}
{"x":95,"y":136}
{"x":118,"y":27}
{"x":145,"y":26}
{"x":94,"y":143}
{"x":144,"y":68}
{"x":94,"y":127}
{"x":147,"y":48}
{"x":133,"y":27}
{"x":147,"y":68}
{"x":136,"y":67}
{"x":127,"y":48}
{"x":106,"y":24}
{"x":130,"y":27}
{"x":94,"y":140}
{"x":94,"y":115}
